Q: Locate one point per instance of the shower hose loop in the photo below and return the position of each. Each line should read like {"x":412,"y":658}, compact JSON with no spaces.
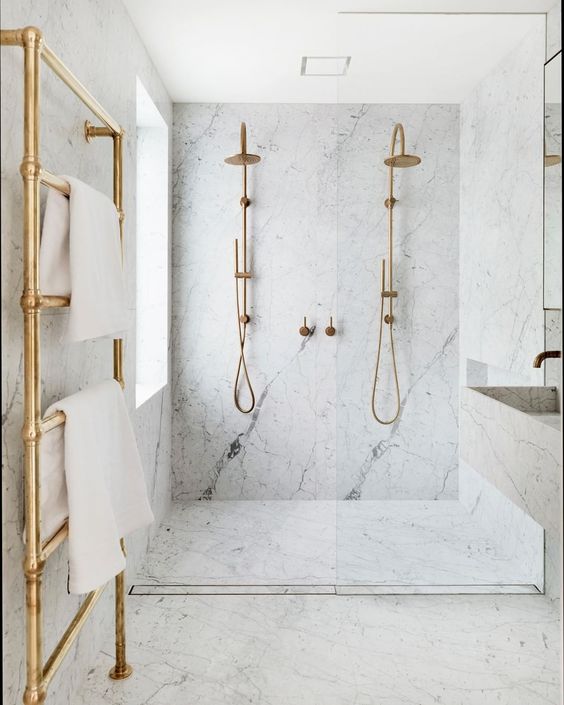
{"x":394,"y":367}
{"x":242,"y":364}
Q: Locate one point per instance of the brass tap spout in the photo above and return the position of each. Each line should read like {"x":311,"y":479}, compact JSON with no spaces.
{"x":541,"y":357}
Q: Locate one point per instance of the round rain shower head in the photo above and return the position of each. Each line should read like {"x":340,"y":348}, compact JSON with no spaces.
{"x":402,"y":161}
{"x":243,"y":159}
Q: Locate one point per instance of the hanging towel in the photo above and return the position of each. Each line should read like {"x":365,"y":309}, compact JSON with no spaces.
{"x":80,"y":257}
{"x":96,"y":479}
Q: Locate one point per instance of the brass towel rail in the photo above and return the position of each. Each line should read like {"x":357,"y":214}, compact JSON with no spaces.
{"x":37,"y":551}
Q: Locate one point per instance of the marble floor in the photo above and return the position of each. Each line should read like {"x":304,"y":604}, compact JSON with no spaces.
{"x":378,"y":544}
{"x":335,"y":650}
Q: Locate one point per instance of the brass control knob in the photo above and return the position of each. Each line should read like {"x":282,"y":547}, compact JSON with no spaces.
{"x":304,"y":330}
{"x":330,"y":330}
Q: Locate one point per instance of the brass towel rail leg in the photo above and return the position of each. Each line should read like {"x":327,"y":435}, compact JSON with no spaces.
{"x":121,"y":669}
{"x":35,"y":691}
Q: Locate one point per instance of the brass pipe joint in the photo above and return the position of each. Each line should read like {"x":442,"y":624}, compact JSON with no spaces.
{"x":91,"y":131}
{"x":30,"y":168}
{"x":31,"y":433}
{"x":32,"y":37}
{"x":31,"y":302}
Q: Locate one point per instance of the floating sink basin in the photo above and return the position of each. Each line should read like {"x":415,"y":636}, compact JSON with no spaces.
{"x":540,"y":403}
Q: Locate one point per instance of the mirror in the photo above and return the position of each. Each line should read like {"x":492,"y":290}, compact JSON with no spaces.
{"x":553,"y":182}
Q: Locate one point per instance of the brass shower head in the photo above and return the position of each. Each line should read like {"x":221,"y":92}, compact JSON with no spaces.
{"x":402,"y":161}
{"x":243,"y":159}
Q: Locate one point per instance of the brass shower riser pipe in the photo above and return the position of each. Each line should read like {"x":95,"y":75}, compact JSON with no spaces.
{"x":243,"y":275}
{"x":387,"y":292}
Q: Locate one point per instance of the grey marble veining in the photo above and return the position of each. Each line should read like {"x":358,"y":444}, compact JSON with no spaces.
{"x":99,"y":43}
{"x":501,"y":218}
{"x":316,"y":227}
{"x":336,"y":650}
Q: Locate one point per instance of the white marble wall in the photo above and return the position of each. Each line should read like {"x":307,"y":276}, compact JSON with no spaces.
{"x":316,"y":235}
{"x":554,"y":30}
{"x":501,"y":221}
{"x":98,"y":41}
{"x":553,"y":341}
{"x":553,"y":207}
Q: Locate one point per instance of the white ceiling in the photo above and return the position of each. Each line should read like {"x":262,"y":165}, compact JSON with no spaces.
{"x":251,"y":50}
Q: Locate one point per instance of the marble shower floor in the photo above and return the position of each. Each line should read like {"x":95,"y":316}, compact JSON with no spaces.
{"x":314,"y":546}
{"x":335,"y":650}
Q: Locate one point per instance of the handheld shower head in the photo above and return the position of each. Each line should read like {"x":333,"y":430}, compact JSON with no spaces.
{"x":243,"y":159}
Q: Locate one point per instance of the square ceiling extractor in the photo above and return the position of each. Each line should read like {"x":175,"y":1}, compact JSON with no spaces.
{"x":325,"y":65}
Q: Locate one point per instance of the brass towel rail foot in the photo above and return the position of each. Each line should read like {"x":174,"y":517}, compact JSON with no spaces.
{"x":120,"y":674}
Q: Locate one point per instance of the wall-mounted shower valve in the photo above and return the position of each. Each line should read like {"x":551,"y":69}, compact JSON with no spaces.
{"x":304,"y":330}
{"x":330,"y":331}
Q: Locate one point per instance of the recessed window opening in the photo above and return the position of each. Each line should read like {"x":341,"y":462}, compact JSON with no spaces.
{"x":152,"y":248}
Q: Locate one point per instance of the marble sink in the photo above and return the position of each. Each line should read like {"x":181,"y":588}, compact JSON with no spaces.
{"x":511,"y":436}
{"x":540,"y":403}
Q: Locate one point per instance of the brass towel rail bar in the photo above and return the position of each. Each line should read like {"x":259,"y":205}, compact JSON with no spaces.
{"x":37,"y":551}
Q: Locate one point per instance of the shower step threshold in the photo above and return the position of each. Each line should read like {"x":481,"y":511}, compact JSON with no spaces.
{"x":176,"y":589}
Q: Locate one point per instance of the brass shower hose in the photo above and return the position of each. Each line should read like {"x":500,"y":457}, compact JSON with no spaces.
{"x":378,"y":356}
{"x":242,"y":365}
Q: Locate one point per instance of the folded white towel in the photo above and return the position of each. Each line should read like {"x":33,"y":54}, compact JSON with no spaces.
{"x":80,"y":256}
{"x":97,"y":480}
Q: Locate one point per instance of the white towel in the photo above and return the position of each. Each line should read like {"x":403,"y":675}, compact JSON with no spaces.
{"x":80,"y":257}
{"x":96,"y":480}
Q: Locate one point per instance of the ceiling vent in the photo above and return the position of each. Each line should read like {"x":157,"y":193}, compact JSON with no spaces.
{"x":325,"y":65}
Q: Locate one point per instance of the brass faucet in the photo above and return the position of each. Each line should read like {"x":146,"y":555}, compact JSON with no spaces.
{"x":541,"y":357}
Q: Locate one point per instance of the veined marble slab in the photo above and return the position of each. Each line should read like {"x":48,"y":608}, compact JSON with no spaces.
{"x":244,"y":542}
{"x":501,"y":213}
{"x":521,"y":457}
{"x":327,"y":650}
{"x":500,"y":517}
{"x":317,"y":234}
{"x":323,"y":543}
